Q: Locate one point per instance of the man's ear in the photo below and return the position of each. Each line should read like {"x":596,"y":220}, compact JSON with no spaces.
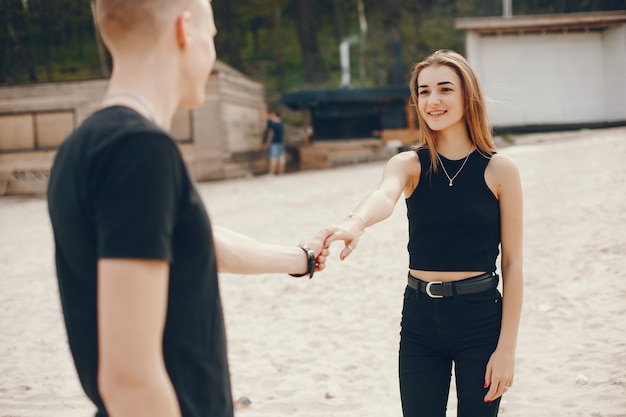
{"x":183,"y":29}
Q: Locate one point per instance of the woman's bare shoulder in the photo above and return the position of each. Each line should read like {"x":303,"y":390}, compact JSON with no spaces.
{"x":502,"y":174}
{"x":405,"y":159}
{"x":503,"y":164}
{"x":404,"y":164}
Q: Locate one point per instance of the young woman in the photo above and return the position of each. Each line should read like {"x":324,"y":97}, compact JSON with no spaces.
{"x":464,"y":204}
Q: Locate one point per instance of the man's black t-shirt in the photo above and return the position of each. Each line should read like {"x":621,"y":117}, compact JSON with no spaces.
{"x":119,"y":189}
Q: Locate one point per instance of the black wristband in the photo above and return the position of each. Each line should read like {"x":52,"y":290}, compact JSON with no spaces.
{"x":311,"y":262}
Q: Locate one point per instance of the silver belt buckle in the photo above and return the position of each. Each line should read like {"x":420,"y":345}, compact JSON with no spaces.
{"x":430,"y":284}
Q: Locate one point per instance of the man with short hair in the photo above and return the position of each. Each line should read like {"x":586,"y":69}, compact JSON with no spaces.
{"x":137,"y":258}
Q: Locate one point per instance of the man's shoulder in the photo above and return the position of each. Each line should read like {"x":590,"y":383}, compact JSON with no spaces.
{"x":114,"y":125}
{"x":113,"y":139}
{"x":120,"y":119}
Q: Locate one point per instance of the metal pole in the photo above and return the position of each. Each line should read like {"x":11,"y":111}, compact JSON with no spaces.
{"x":507,"y":8}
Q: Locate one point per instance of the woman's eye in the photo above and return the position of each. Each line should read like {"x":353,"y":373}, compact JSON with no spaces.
{"x":423,"y":92}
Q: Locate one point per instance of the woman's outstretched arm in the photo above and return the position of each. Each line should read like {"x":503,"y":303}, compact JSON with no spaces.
{"x":400,"y":175}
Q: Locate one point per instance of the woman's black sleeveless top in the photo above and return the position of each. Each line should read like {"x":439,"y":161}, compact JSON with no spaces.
{"x":453,"y":228}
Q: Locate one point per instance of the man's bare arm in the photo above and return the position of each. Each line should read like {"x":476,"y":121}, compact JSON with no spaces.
{"x":132,"y":305}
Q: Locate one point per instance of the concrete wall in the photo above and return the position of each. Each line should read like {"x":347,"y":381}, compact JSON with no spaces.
{"x":220,"y":139}
{"x":614,"y":52}
{"x":553,"y":78}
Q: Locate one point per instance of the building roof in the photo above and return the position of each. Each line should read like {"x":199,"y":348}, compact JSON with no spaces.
{"x":315,"y":98}
{"x":543,"y":23}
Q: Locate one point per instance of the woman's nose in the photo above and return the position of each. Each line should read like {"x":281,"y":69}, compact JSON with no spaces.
{"x":434,"y":99}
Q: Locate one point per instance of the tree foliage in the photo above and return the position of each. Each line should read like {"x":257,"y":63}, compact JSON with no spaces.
{"x":44,"y":40}
{"x":285,"y":44}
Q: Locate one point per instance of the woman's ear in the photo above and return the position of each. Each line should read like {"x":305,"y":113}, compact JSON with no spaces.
{"x":183,"y":29}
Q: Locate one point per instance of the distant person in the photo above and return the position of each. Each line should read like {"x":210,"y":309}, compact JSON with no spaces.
{"x":464,"y":203}
{"x":274,"y":142}
{"x":137,"y":259}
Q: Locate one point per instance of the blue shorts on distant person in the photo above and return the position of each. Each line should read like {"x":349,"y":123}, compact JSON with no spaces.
{"x":276,"y":150}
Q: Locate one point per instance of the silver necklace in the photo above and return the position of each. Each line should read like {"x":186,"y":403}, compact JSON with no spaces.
{"x":459,"y":171}
{"x":139,"y":99}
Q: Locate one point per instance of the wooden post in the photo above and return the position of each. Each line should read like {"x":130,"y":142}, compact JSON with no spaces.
{"x":410,"y":115}
{"x":305,"y":127}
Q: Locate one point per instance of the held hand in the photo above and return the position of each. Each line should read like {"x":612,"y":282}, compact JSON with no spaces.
{"x":348,"y":231}
{"x":499,"y":374}
{"x":320,"y":261}
{"x":318,"y":243}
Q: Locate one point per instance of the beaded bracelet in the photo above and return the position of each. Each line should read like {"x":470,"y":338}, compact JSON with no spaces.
{"x":311,"y":262}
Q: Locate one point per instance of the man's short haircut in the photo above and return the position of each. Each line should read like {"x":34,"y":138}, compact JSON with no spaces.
{"x":143,"y":20}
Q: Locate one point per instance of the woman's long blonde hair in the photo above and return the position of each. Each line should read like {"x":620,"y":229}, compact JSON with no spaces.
{"x":474,"y":112}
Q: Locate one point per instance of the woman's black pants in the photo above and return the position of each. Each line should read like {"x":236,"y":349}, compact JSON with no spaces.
{"x":437,"y":332}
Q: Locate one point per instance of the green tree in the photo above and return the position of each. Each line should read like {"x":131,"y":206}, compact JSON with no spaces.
{"x":285,"y":44}
{"x":306,"y":18}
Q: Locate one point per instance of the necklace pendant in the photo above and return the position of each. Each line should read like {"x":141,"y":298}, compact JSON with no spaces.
{"x":451,"y":179}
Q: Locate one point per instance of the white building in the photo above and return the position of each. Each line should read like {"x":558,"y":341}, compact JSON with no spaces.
{"x":566,"y":70}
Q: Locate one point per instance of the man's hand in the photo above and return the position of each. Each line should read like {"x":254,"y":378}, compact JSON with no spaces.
{"x":319,"y":244}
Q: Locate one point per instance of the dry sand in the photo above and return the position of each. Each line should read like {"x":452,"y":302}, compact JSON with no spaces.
{"x":328,"y":346}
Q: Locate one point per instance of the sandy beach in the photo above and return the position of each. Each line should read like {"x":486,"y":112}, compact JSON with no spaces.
{"x":328,"y":346}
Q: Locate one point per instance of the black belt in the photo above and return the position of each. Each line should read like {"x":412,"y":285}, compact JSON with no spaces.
{"x":438,"y":289}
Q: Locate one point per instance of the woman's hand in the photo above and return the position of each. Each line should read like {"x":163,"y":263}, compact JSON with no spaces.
{"x":499,"y":373}
{"x":349,"y":231}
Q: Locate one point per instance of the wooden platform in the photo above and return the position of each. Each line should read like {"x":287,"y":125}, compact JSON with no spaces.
{"x":407,"y":137}
{"x":327,"y":154}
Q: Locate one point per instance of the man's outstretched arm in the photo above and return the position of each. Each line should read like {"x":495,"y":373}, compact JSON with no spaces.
{"x":240,"y":254}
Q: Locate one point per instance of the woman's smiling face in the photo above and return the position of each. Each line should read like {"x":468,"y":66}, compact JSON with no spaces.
{"x":440,"y":98}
